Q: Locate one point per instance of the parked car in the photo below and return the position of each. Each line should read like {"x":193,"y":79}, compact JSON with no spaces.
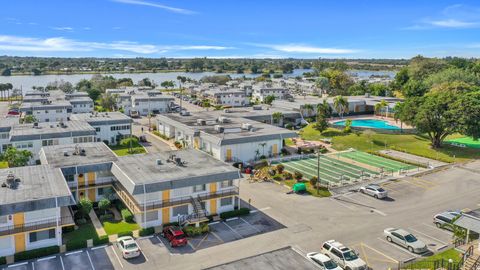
{"x":375,"y":191}
{"x":405,"y":239}
{"x":343,"y":256}
{"x":175,"y":236}
{"x":323,"y":261}
{"x":13,"y":112}
{"x":134,"y":114}
{"x":142,"y":138}
{"x":128,"y":247}
{"x":445,"y":218}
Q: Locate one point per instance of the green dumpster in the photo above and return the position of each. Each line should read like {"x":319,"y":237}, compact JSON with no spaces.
{"x":299,"y":188}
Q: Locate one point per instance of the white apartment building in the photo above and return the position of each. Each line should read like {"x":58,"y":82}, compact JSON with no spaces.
{"x":229,"y":97}
{"x":109,"y":127}
{"x":261,"y":93}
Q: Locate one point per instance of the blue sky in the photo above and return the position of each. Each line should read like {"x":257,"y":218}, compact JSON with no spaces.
{"x":243,"y":28}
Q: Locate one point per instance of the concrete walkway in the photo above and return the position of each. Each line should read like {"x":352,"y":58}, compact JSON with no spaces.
{"x":97,"y":224}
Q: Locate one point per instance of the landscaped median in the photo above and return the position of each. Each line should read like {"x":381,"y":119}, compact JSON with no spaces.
{"x":128,"y":146}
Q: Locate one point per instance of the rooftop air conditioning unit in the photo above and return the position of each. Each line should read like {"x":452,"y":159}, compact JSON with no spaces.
{"x":201,"y":122}
{"x":159,"y":162}
{"x":223,"y":119}
{"x":247,"y":126}
{"x":257,"y":107}
{"x":218,"y":128}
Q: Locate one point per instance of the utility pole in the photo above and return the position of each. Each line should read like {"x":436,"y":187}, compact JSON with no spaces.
{"x":318,"y":169}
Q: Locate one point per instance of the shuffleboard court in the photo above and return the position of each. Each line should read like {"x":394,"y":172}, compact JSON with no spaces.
{"x":376,"y":161}
{"x":465,"y":142}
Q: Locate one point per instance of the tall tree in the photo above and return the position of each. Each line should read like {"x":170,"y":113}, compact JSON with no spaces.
{"x":340,"y":104}
{"x":15,"y":157}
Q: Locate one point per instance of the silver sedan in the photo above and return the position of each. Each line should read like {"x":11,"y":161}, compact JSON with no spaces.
{"x":375,"y":191}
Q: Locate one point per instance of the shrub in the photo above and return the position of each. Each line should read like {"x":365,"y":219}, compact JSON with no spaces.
{"x":84,"y":207}
{"x":178,"y":144}
{"x":280,"y":168}
{"x":104,"y":204}
{"x":161,"y":135}
{"x":284,"y":151}
{"x":101,"y":240}
{"x":170,"y":224}
{"x":119,"y":205}
{"x":127,"y":233}
{"x":147,"y":231}
{"x":194,"y":231}
{"x":36,"y":253}
{"x":106,"y":217}
{"x":80,"y":221}
{"x":3,"y":260}
{"x":262,"y":157}
{"x":76,"y":244}
{"x":127,"y":215}
{"x":288,"y":126}
{"x":235,"y":213}
{"x":298,"y":175}
{"x":287,"y":175}
{"x":68,"y":229}
{"x":313,"y":181}
{"x":129,"y":141}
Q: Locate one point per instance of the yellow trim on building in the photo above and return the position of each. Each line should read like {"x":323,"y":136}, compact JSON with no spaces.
{"x":81,"y":179}
{"x":213,"y":187}
{"x":213,"y":206}
{"x":229,"y":155}
{"x":165,"y":215}
{"x":92,"y":194}
{"x":274,"y":149}
{"x":20,"y":244}
{"x":166,"y":195}
{"x":18,"y":219}
{"x":91,"y":178}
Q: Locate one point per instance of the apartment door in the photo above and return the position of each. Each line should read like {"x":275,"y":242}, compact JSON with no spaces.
{"x":229,"y":155}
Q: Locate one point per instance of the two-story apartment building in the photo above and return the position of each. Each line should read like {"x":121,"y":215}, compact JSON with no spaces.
{"x":109,"y":126}
{"x":48,"y":111}
{"x":225,"y":137}
{"x":228,"y":97}
{"x":261,"y":93}
{"x":34,"y":204}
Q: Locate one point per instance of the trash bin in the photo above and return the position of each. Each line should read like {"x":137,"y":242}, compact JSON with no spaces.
{"x":299,"y":188}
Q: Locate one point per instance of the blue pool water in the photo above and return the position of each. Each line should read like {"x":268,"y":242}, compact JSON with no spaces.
{"x":368,"y":123}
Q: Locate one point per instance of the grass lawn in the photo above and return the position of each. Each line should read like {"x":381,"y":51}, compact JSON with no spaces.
{"x":3,"y":164}
{"x":427,"y":263}
{"x":114,"y":227}
{"x":322,"y":192}
{"x":84,"y":232}
{"x":410,"y":143}
{"x":121,"y":150}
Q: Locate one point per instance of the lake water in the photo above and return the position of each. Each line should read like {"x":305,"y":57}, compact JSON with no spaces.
{"x":365,"y":74}
{"x":26,"y":82}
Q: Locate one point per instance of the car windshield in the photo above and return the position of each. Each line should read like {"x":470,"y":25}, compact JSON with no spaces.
{"x":380,"y":189}
{"x":410,"y":238}
{"x":131,"y":246}
{"x":350,"y":256}
{"x":330,"y":264}
{"x":180,"y":237}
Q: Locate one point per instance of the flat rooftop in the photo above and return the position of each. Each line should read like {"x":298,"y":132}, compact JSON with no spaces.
{"x":99,"y":117}
{"x":280,"y":259}
{"x":233,"y":132}
{"x":52,"y":129}
{"x":35,"y":183}
{"x":143,"y":168}
{"x":96,"y":152}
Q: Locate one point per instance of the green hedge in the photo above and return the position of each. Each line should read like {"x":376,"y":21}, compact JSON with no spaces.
{"x":128,"y":233}
{"x":147,"y":231}
{"x":102,"y":240}
{"x":193,"y":231}
{"x":68,"y":229}
{"x":75,"y":244}
{"x":235,"y":213}
{"x":127,"y":215}
{"x":36,"y":253}
{"x":170,"y":224}
{"x":3,"y":260}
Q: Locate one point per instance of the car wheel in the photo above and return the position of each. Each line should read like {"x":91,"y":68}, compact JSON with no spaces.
{"x":362,"y":191}
{"x":410,"y":249}
{"x":171,"y":244}
{"x":389,"y":239}
{"x":375,"y":196}
{"x":438,"y":224}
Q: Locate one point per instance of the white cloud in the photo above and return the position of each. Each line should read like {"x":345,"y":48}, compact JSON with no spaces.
{"x":453,"y":23}
{"x":60,"y":44}
{"x":305,"y":49}
{"x":155,"y":5}
{"x":63,"y":28}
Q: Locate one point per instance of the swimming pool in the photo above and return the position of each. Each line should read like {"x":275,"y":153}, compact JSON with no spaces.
{"x":368,"y":123}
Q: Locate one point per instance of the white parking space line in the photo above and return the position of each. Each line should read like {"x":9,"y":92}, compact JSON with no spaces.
{"x":17,"y":264}
{"x":99,"y":247}
{"x":232,"y":230}
{"x":381,"y":253}
{"x":33,"y":266}
{"x":145,"y":256}
{"x":439,"y":229}
{"x":90,"y":259}
{"x":47,"y":258}
{"x":399,"y":248}
{"x":61,"y":262}
{"x":260,"y":210}
{"x":75,"y":252}
{"x":428,"y":236}
{"x":230,"y":219}
{"x":379,"y":212}
{"x":342,"y":204}
{"x":118,"y":258}
{"x":251,"y":225}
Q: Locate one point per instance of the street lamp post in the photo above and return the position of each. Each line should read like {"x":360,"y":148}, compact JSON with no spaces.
{"x":318,"y":170}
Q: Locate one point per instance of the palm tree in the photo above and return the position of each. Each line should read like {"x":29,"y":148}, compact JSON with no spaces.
{"x":308,"y":108}
{"x":324,"y":108}
{"x":396,"y":113}
{"x":340,"y":104}
{"x":381,"y":105}
{"x":277,"y":117}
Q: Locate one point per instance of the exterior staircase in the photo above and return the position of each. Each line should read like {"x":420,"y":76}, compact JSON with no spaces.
{"x":472,"y":263}
{"x":199,"y":214}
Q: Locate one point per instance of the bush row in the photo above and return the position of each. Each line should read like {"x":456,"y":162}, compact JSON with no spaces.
{"x":36,"y":253}
{"x":127,"y":233}
{"x":193,"y":231}
{"x":127,"y":215}
{"x":146,"y":231}
{"x":235,"y":213}
{"x":3,"y":260}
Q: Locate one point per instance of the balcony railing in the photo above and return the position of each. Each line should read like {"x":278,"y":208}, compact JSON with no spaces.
{"x":38,"y":225}
{"x":187,"y":199}
{"x":98,"y":182}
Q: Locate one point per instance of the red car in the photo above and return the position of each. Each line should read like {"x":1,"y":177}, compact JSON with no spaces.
{"x":175,"y":236}
{"x":13,"y":113}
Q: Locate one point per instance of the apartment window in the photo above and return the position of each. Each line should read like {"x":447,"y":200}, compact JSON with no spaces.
{"x":101,"y":191}
{"x":3,"y":219}
{"x":59,"y":111}
{"x":49,"y":142}
{"x":97,"y":129}
{"x":42,"y":235}
{"x":226,"y":183}
{"x":180,"y":210}
{"x":226,"y":201}
{"x":46,"y":111}
{"x":199,"y":188}
{"x":151,"y":216}
{"x":70,"y":178}
{"x":4,"y":135}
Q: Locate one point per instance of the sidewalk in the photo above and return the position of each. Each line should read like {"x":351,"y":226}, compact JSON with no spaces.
{"x":97,"y":224}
